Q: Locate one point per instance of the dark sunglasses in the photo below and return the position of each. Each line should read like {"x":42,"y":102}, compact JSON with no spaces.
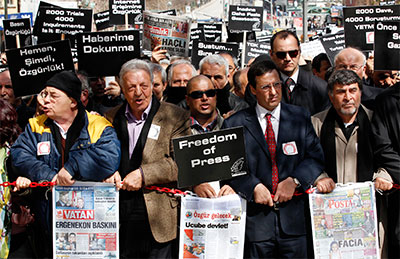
{"x":282,"y":54}
{"x":199,"y":94}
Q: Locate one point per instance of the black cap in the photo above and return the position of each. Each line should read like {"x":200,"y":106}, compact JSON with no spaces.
{"x":68,"y":82}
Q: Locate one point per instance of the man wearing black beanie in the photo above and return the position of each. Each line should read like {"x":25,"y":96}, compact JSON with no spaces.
{"x":64,"y":144}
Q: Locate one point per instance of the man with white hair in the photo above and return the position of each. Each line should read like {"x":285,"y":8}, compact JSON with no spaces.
{"x":216,"y":68}
{"x":354,"y":59}
{"x":146,"y":127}
{"x":179,"y":73}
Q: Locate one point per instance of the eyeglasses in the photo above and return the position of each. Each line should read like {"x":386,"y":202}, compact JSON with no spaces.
{"x":44,"y":94}
{"x":268,"y":88}
{"x":353,"y":67}
{"x":199,"y":94}
{"x":282,"y":54}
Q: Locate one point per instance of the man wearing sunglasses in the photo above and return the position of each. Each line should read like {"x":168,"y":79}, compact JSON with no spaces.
{"x":283,"y":155}
{"x":202,"y":101}
{"x":300,"y":87}
{"x":353,"y":59}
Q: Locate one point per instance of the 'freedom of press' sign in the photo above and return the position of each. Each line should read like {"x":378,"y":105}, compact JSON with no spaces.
{"x":217,"y":155}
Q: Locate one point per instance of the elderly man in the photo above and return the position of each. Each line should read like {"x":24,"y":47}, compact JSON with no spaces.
{"x":145,"y":127}
{"x":216,"y":68}
{"x":202,"y":101}
{"x":233,"y":64}
{"x":159,"y":80}
{"x":64,"y":144}
{"x":345,"y":132}
{"x":283,"y":155}
{"x":301,"y":87}
{"x":179,"y":74}
{"x":353,"y":59}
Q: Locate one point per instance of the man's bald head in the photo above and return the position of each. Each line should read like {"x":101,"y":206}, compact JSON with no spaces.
{"x":195,"y":80}
{"x":351,"y":59}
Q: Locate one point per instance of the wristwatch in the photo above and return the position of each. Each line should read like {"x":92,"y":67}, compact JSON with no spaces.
{"x":296,"y":182}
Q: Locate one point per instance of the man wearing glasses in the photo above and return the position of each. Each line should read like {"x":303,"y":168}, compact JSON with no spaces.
{"x":353,"y":59}
{"x":284,"y":155}
{"x":300,"y":87}
{"x":64,"y":144}
{"x":204,"y":117}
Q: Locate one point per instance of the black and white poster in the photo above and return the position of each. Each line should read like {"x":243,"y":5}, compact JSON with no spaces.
{"x":255,"y":49}
{"x":387,"y":46}
{"x":202,"y":49}
{"x":213,"y":156}
{"x":56,"y":21}
{"x":359,"y":23}
{"x":212,"y":31}
{"x":333,"y":43}
{"x":119,"y":8}
{"x":20,"y":27}
{"x":103,"y":53}
{"x":102,"y":20}
{"x":31,"y":67}
{"x":245,"y":18}
{"x":168,"y":12}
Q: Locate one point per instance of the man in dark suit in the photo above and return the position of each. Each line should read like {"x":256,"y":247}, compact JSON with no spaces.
{"x":300,"y":87}
{"x":284,"y":155}
{"x":146,"y":127}
{"x":386,"y":129}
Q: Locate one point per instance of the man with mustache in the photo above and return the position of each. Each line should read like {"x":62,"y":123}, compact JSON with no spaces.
{"x":345,"y":130}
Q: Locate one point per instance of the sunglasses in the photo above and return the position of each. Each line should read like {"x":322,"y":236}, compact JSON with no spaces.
{"x":199,"y":94}
{"x":282,"y":54}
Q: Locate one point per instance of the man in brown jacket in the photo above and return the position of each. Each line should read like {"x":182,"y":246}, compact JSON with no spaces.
{"x":146,"y":127}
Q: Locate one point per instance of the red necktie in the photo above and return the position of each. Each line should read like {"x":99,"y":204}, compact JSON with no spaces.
{"x":288,"y":83}
{"x":270,"y":138}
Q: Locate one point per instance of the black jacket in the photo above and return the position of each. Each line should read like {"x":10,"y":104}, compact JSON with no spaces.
{"x":386,"y":129}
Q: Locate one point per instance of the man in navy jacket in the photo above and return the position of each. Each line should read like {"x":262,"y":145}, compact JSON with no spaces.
{"x":276,"y":220}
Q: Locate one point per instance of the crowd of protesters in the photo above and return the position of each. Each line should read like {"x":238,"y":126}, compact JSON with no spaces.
{"x":80,"y":129}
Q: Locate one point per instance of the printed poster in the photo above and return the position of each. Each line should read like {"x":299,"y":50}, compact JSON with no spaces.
{"x":344,"y":222}
{"x":212,"y":228}
{"x":85,"y":221}
{"x":171,"y":32}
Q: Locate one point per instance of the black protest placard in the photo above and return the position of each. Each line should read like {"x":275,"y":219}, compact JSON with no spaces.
{"x":359,"y":23}
{"x":202,"y":49}
{"x":212,"y":31}
{"x":168,"y":12}
{"x":255,"y":49}
{"x":245,"y":18}
{"x":119,"y":8}
{"x":56,"y":21}
{"x":333,"y":43}
{"x":103,"y":53}
{"x":20,"y":27}
{"x":102,"y":20}
{"x":387,"y":46}
{"x":197,"y":34}
{"x":213,"y":156}
{"x":38,"y":16}
{"x":31,"y":67}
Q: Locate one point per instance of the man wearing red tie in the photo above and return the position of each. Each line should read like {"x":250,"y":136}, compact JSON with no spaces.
{"x":284,"y":156}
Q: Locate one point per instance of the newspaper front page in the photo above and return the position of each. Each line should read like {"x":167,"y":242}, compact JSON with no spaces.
{"x":344,"y":222}
{"x":171,"y":32}
{"x":85,"y":221}
{"x":212,"y":228}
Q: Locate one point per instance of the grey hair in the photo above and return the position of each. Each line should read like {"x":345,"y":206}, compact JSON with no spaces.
{"x":158,"y":68}
{"x":343,"y":77}
{"x":355,"y":49}
{"x":180,"y":62}
{"x":134,"y":64}
{"x":215,"y":59}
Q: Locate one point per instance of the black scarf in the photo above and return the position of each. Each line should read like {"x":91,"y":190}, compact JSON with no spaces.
{"x":365,"y":153}
{"x":127,"y":164}
{"x":175,"y":94}
{"x":73,"y":134}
